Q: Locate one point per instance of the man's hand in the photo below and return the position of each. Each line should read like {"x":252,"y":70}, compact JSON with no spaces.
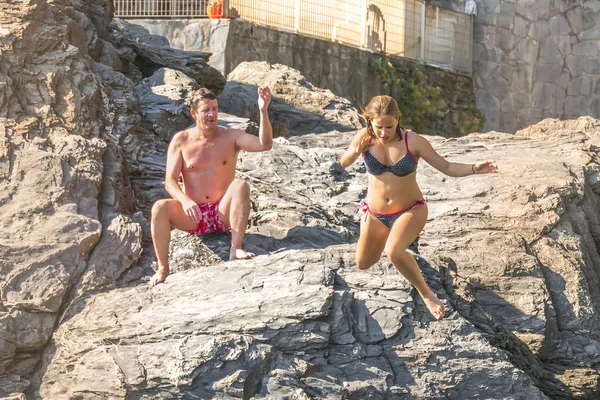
{"x":264,"y":98}
{"x":192,"y":210}
{"x":159,"y":277}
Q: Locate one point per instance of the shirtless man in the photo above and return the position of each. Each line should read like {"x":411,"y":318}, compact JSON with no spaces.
{"x":212,"y":200}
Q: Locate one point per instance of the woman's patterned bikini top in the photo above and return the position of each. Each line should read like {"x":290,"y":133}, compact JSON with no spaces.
{"x":405,"y":166}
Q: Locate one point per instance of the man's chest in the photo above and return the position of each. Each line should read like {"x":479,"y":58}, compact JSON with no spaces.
{"x":209,"y":155}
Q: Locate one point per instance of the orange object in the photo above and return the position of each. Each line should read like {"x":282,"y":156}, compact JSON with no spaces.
{"x":214,"y":9}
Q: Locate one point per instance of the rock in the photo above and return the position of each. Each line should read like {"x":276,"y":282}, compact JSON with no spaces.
{"x":142,"y":35}
{"x":61,"y":169}
{"x":109,"y":56}
{"x":502,"y":244}
{"x":119,"y":247}
{"x":554,"y":127}
{"x":296,"y":102}
{"x":7,"y":341}
{"x":513,"y":255}
{"x":149,"y":59}
{"x":264,"y":328}
{"x":163,"y":100}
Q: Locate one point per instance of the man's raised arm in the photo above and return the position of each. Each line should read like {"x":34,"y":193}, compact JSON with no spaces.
{"x":265,"y":131}
{"x":264,"y":141}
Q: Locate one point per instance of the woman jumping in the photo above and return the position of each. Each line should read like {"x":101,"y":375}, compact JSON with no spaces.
{"x":395,"y":212}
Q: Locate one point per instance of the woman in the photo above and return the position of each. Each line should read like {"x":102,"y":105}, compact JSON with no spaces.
{"x":394,"y":210}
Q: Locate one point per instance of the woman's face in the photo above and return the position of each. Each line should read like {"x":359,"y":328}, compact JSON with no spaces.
{"x":384,"y":127}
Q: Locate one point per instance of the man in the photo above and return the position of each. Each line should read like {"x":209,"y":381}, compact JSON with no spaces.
{"x":212,"y":200}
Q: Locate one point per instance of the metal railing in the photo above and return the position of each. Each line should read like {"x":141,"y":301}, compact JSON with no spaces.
{"x":160,"y":8}
{"x":405,"y":28}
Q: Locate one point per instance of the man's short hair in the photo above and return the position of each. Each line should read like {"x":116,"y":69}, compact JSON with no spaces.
{"x":197,"y":95}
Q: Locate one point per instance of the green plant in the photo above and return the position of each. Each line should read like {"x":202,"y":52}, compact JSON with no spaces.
{"x":469,"y":121}
{"x":422,"y":105}
{"x":419,"y":101}
{"x":477,"y":114}
{"x":385,"y":72}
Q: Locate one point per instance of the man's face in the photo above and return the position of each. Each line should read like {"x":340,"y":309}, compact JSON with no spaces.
{"x":206,"y":114}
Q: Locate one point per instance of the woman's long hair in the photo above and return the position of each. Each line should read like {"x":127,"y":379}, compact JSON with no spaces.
{"x":377,"y":108}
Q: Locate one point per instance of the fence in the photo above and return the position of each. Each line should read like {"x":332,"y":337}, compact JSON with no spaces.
{"x":405,"y":28}
{"x":160,"y":8}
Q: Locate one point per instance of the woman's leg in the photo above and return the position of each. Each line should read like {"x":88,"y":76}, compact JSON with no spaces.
{"x":404,"y":231}
{"x":373,"y":235}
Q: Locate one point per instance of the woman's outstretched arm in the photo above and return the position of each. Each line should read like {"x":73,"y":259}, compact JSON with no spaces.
{"x":422,"y":148}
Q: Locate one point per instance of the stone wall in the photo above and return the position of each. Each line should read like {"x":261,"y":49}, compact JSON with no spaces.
{"x":535,"y":59}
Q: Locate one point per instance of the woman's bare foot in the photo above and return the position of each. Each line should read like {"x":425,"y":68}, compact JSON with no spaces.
{"x":239,"y":254}
{"x":435,"y":306}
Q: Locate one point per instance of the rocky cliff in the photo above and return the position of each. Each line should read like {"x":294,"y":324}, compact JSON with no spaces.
{"x":85,"y":117}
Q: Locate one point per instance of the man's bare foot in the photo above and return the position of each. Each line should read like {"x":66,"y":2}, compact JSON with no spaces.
{"x":435,"y":306}
{"x":159,"y":277}
{"x":239,"y":254}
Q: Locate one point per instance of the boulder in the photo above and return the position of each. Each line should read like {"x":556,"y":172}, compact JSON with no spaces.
{"x":163,"y":100}
{"x":298,"y":324}
{"x":149,"y":59}
{"x":296,"y":102}
{"x":61,"y":121}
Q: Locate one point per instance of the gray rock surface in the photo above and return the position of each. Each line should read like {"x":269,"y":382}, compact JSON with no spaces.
{"x":162,"y":97}
{"x":514,"y":255}
{"x":301,"y":321}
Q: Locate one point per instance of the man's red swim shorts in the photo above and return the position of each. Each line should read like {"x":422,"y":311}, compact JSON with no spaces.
{"x":210,"y":221}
